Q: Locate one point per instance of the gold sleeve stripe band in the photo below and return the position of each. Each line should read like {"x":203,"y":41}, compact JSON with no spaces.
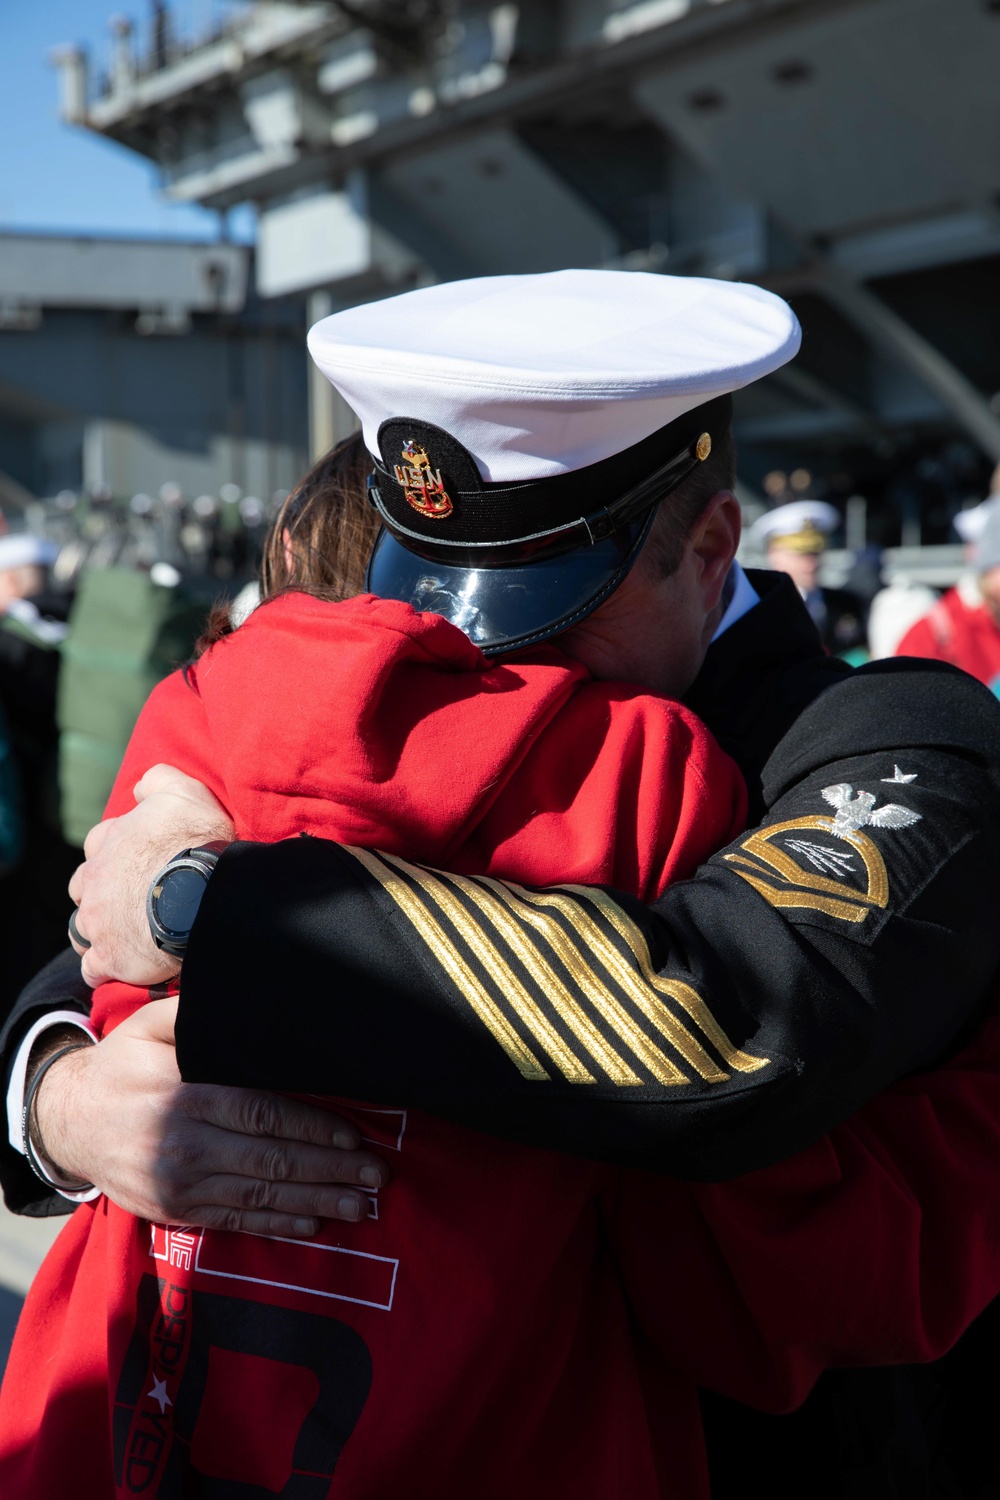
{"x":783,"y":896}
{"x":504,"y":977}
{"x":623,"y":974}
{"x":569,"y":1012}
{"x":571,"y":961}
{"x":454,"y":965}
{"x":683,"y":994}
{"x":580,"y":968}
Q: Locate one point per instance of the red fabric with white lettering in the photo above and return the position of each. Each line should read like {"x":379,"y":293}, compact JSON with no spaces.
{"x":471,"y":1338}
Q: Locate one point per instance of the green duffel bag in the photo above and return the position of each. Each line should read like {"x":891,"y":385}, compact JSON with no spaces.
{"x":126,"y":633}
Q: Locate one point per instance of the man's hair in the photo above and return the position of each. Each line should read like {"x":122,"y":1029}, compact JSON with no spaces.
{"x":681,"y":508}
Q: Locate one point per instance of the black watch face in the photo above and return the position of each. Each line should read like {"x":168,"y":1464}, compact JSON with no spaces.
{"x":178,"y":900}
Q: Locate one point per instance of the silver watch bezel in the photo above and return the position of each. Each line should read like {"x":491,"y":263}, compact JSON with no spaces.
{"x":203,"y":858}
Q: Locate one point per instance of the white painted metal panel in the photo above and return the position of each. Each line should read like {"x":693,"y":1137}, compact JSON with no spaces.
{"x":886,"y":111}
{"x":503,"y":208}
{"x":312,"y":242}
{"x":59,"y":271}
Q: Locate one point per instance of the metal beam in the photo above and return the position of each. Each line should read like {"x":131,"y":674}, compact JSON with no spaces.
{"x":811,"y":388}
{"x":551,"y":85}
{"x":900,"y":341}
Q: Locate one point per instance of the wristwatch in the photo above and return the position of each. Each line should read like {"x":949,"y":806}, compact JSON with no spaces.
{"x":175,"y":895}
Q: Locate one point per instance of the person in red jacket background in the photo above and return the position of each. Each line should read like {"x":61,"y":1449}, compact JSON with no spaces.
{"x":964,"y":626}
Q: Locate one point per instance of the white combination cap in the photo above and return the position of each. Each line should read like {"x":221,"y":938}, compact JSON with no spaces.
{"x":543,"y":375}
{"x":970,"y":524}
{"x":24,"y":551}
{"x":525,"y":429}
{"x":802,"y":526}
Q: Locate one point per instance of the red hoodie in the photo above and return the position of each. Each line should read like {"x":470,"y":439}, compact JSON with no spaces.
{"x":472,"y":1337}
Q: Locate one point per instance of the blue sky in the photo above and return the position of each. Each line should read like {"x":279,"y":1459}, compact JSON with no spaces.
{"x":56,"y":177}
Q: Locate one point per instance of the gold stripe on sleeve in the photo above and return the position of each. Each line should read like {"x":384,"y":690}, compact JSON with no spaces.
{"x":646,"y":986}
{"x":490,"y":902}
{"x":584,"y":973}
{"x":503,"y":976}
{"x":453,"y":964}
{"x":684,"y":994}
{"x":624,"y":976}
{"x":778,"y":896}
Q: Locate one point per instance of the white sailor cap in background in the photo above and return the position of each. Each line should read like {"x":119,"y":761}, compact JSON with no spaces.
{"x":987,"y":547}
{"x":543,"y":375}
{"x":801,"y":526}
{"x":25,"y":551}
{"x":970,"y":524}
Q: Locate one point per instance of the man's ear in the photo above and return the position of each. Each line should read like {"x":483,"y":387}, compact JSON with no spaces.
{"x":715,"y":537}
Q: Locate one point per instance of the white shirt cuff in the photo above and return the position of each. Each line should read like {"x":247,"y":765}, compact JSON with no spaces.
{"x":15,"y":1089}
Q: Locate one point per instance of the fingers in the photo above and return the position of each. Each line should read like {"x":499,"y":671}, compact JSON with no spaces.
{"x":97,"y":837}
{"x":155,"y":1022}
{"x":250,"y":1112}
{"x":233,"y":1200}
{"x":284,"y":1226}
{"x":163,"y":778}
{"x":203,"y":1153}
{"x":220,"y":1180}
{"x":94,"y":973}
{"x":78,"y":942}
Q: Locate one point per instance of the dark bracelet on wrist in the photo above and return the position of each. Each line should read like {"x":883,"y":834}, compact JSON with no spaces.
{"x":34,"y":1156}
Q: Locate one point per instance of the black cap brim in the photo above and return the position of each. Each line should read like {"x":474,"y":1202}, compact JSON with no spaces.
{"x":505,"y":609}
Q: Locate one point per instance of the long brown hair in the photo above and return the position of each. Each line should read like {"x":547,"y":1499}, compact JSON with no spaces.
{"x":320,"y":540}
{"x":322,"y":537}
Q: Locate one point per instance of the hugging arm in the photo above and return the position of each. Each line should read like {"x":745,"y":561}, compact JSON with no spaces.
{"x":55,"y":994}
{"x":847,"y":942}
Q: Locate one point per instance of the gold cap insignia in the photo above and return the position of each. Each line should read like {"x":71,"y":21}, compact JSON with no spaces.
{"x":808,"y":540}
{"x":703,"y":447}
{"x":421,"y":484}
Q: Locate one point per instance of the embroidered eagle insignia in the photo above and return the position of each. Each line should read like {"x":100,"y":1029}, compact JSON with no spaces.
{"x":854,"y":812}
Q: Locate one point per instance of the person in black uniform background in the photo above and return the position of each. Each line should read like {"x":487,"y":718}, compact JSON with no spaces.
{"x":796,"y":536}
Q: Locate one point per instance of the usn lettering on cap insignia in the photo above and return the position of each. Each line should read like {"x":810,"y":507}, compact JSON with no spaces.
{"x":422,"y":485}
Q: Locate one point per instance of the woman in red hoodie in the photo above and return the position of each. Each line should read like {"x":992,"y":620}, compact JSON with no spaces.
{"x":462,"y":1340}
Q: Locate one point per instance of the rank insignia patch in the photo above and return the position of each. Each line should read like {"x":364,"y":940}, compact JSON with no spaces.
{"x":814,"y":873}
{"x":421,"y":484}
{"x":822,"y":874}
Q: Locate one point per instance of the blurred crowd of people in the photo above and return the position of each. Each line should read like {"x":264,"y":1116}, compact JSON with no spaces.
{"x":869,"y":618}
{"x":98,"y":601}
